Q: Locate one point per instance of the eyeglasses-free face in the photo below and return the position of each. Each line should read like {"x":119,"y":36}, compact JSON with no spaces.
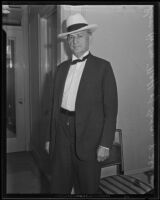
{"x":79,"y":42}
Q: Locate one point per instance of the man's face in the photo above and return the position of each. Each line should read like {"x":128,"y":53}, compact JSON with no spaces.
{"x":79,"y":42}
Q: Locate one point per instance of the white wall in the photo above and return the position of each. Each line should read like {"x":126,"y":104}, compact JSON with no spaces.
{"x":124,"y":38}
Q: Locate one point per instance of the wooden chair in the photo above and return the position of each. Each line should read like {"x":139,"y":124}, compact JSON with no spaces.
{"x":120,"y":183}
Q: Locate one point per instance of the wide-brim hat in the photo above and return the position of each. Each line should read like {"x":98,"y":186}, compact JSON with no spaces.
{"x":76,"y":23}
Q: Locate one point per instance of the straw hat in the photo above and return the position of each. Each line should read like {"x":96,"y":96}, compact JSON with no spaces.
{"x":76,"y":23}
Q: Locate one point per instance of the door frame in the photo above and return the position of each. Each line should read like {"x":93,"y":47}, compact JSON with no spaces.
{"x":25,"y":32}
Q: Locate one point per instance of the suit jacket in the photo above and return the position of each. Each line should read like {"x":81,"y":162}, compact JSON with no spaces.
{"x":96,"y":106}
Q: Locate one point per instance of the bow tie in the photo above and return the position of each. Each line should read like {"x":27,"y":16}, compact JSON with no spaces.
{"x":79,"y":60}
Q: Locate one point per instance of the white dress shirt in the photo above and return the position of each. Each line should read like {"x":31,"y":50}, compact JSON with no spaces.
{"x":72,"y":83}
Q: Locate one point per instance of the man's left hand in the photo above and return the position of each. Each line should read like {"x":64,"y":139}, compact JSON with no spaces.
{"x":102,"y":153}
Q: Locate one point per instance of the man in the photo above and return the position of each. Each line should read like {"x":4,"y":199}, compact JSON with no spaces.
{"x":83,"y":115}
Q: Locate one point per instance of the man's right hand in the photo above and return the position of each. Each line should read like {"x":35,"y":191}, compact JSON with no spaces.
{"x":47,"y":146}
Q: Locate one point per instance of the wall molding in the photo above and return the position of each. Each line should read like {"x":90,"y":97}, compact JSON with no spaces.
{"x":136,"y":171}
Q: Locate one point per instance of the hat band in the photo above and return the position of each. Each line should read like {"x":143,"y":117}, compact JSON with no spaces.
{"x":76,"y":27}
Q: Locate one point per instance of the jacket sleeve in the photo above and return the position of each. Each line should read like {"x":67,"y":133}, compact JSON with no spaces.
{"x":110,"y":101}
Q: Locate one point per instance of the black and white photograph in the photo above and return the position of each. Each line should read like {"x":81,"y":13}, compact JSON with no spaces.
{"x":80,"y":100}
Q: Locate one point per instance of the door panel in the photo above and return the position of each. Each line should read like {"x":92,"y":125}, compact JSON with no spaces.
{"x":15,"y":126}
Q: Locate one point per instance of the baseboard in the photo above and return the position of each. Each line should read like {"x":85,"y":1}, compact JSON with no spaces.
{"x":136,"y":171}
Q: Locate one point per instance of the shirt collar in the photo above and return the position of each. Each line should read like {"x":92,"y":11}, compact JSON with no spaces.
{"x":75,"y":58}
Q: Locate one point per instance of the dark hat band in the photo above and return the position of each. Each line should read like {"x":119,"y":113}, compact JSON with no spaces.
{"x":76,"y":27}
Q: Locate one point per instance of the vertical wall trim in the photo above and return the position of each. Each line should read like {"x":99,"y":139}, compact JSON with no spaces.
{"x":25,"y":32}
{"x":59,"y":30}
{"x":39,"y":52}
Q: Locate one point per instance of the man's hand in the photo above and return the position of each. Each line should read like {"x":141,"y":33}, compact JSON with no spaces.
{"x":47,"y":146}
{"x":102,"y":153}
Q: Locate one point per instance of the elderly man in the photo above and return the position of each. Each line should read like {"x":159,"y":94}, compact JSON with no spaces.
{"x":84,"y":114}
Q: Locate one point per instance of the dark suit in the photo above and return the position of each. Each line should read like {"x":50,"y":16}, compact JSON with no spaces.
{"x":96,"y":107}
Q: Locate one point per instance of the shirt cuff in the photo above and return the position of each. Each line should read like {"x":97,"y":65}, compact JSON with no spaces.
{"x":104,"y":147}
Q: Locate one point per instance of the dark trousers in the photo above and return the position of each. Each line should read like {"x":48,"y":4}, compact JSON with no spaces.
{"x":67,"y":169}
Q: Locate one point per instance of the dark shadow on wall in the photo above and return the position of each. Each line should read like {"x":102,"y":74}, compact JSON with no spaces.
{"x":43,"y":124}
{"x":42,"y":158}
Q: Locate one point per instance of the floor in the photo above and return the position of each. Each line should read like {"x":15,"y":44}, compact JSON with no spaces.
{"x":23,"y":176}
{"x":22,"y":173}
